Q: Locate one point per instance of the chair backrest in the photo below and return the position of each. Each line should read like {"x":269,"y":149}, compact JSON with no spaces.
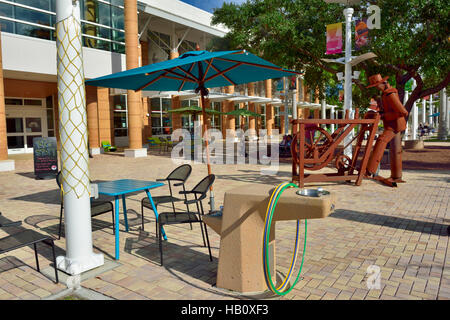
{"x":106,"y":144}
{"x":202,"y":187}
{"x":181,"y":173}
{"x":58,"y":179}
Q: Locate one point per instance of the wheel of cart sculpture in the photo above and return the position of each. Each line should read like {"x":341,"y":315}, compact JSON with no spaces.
{"x":319,"y":144}
{"x":343,"y":163}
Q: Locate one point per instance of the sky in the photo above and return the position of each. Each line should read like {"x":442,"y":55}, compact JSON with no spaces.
{"x":209,"y":5}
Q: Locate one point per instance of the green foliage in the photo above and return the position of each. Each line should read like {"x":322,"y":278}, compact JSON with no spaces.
{"x":413,"y":40}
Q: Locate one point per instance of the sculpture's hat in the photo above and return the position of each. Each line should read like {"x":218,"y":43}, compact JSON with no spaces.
{"x":376,"y":79}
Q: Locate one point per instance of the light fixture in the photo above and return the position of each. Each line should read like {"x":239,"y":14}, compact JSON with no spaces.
{"x":340,"y":76}
{"x":356,"y":74}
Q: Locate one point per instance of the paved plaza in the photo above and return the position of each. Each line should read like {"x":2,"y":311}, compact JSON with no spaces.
{"x":402,"y":231}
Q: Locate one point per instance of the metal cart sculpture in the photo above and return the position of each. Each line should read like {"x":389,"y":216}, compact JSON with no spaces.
{"x":316,"y":150}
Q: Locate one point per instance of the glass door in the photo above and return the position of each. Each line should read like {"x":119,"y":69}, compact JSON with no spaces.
{"x":22,"y":126}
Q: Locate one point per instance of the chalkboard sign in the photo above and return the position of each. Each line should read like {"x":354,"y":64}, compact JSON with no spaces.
{"x":45,"y":158}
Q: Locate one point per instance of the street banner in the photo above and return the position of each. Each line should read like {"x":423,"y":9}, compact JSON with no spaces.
{"x":361,"y":34}
{"x":334,"y":38}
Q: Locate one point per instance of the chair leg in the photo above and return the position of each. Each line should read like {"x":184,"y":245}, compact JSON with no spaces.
{"x":60,"y":222}
{"x":203,"y":234}
{"x":54,"y":261}
{"x":36,"y":257}
{"x":207,"y":239}
{"x":160,"y":244}
{"x":113,"y":224}
{"x":142,"y":215}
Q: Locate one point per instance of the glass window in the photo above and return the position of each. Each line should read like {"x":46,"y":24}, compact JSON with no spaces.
{"x":120,"y":132}
{"x":40,"y":4}
{"x":6,"y":10}
{"x":14,"y":125}
{"x":155,"y":104}
{"x":120,"y":120}
{"x":33,"y":124}
{"x":32,"y":16}
{"x":13,"y":102}
{"x":120,"y":116}
{"x":32,"y":31}
{"x":166,"y":104}
{"x":117,"y":2}
{"x":7,"y":26}
{"x":120,"y":102}
{"x":118,"y":36}
{"x":15,"y":142}
{"x":32,"y":102}
{"x":50,"y":123}
{"x":97,"y":44}
{"x":30,"y":140}
{"x":91,"y":10}
{"x":117,"y":18}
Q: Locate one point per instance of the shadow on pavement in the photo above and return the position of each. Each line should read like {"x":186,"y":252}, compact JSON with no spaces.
{"x":433,"y":228}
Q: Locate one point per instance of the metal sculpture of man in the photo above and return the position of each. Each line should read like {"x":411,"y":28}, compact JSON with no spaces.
{"x":393,"y":114}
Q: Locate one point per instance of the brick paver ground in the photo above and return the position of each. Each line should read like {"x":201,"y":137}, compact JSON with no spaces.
{"x":402,"y":231}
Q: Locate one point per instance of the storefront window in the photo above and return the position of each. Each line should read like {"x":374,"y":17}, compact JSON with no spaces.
{"x":120,"y":116}
{"x":102,"y":23}
{"x":161,"y":119}
{"x":216,"y":119}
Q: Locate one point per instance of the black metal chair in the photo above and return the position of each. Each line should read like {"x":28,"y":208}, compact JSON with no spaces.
{"x":23,"y":238}
{"x":179,"y":175}
{"x":199,"y":192}
{"x":98,"y":207}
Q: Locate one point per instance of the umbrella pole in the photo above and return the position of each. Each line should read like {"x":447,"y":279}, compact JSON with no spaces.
{"x":208,"y":163}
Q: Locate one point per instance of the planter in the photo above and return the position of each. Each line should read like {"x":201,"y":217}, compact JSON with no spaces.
{"x":414,"y":144}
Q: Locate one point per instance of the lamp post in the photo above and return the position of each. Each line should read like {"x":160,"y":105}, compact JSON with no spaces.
{"x":73,"y":135}
{"x":348,"y":13}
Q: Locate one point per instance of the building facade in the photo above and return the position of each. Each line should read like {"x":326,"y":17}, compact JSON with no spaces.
{"x":166,"y":29}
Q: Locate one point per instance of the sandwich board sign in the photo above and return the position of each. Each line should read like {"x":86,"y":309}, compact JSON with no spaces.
{"x":45,"y":157}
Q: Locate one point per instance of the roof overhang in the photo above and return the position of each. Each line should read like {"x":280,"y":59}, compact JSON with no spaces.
{"x":182,"y":13}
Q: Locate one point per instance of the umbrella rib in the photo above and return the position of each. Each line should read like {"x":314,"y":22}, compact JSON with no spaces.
{"x":180,"y":75}
{"x":153,"y":81}
{"x":259,"y":65}
{"x":207,"y":69}
{"x":187,"y":72}
{"x":221,"y":73}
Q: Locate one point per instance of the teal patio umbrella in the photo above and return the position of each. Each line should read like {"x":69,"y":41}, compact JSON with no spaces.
{"x":196,"y":70}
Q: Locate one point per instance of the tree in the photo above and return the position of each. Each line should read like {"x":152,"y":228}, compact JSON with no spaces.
{"x":413,"y":42}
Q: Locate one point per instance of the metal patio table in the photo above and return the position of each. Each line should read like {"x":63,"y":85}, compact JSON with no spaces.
{"x":121,"y":187}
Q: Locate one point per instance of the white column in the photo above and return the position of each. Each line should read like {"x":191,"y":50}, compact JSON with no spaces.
{"x":323,"y":109}
{"x":447,"y":111}
{"x":415,"y":116}
{"x":332,"y":116}
{"x":405,"y":99}
{"x":430,"y":111}
{"x":348,"y":12}
{"x":424,"y":111}
{"x":73,"y":134}
{"x":286,"y":106}
{"x":443,"y":114}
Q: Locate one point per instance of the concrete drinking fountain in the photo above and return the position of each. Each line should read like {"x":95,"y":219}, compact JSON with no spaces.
{"x":241,"y":227}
